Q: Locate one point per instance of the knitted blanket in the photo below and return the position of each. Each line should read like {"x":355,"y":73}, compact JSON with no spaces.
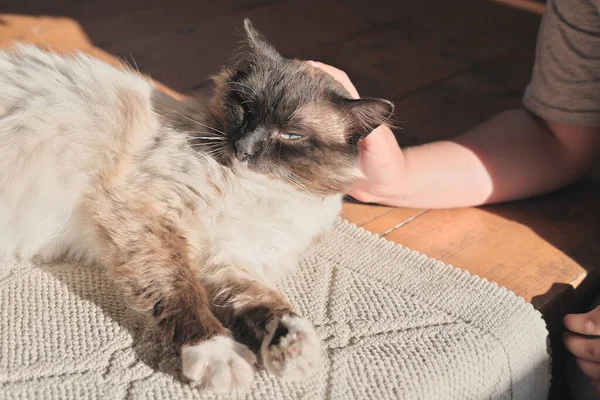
{"x":395,"y":325}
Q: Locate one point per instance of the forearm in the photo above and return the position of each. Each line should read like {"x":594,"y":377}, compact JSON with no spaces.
{"x":512,"y":156}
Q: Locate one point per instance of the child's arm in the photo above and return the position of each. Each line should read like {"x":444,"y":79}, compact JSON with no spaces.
{"x":511,"y":156}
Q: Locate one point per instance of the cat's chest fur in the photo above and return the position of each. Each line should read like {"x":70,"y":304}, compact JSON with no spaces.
{"x":261,"y":224}
{"x":270,"y":236}
{"x":230,"y":214}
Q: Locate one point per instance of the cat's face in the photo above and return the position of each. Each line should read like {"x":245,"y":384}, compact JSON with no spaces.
{"x":291,"y":121}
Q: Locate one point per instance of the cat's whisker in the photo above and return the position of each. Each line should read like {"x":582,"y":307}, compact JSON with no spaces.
{"x":277,"y":175}
{"x":214,"y":152}
{"x":207,"y":138}
{"x":134,"y":63}
{"x":293,"y":179}
{"x":211,"y":152}
{"x":299,"y":183}
{"x":205,"y":142}
{"x":211,"y":133}
{"x":241,"y":88}
{"x":207,"y":148}
{"x":207,"y":135}
{"x":200,"y":123}
{"x":198,"y":135}
{"x":242,"y":92}
{"x":241,"y":84}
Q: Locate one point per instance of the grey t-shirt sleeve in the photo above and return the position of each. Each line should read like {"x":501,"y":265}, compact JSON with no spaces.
{"x":565,"y":84}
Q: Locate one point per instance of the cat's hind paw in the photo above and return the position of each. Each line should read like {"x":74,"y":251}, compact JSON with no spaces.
{"x":292,"y":349}
{"x":219,"y":364}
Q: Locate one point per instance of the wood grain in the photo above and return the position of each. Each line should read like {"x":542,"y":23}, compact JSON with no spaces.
{"x":538,"y":248}
{"x":471,"y":31}
{"x":360,"y":214}
{"x":392,"y":220}
{"x":59,"y":34}
{"x":376,"y":63}
{"x":453,"y":105}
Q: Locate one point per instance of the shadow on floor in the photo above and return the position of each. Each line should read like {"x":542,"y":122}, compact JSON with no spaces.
{"x":570,"y":221}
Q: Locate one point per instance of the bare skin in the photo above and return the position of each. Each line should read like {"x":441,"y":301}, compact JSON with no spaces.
{"x":514,"y":155}
{"x":586,"y":350}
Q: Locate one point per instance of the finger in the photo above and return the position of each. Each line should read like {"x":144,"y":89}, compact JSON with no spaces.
{"x":357,"y":193}
{"x":382,"y":139}
{"x":374,"y":140}
{"x":582,"y":347}
{"x":591,"y":369}
{"x":326,"y":67}
{"x":586,"y":324}
{"x":339,"y":76}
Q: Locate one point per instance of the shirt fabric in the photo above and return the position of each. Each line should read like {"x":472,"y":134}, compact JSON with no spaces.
{"x":565,"y":84}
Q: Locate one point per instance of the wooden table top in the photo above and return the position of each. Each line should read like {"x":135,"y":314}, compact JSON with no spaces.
{"x":542,"y":249}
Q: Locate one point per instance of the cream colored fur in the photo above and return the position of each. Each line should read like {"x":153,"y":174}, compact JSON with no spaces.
{"x":298,"y":354}
{"x":74,"y":129}
{"x":220,"y":364}
{"x":65,"y":121}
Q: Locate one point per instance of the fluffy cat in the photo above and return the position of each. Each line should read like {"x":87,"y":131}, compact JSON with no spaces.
{"x":195,"y":208}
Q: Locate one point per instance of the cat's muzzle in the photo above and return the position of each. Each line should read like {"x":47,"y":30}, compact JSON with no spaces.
{"x":249,"y":146}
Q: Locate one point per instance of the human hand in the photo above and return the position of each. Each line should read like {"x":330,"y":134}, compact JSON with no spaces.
{"x":586,"y":350}
{"x":339,"y":76}
{"x":381,"y":159}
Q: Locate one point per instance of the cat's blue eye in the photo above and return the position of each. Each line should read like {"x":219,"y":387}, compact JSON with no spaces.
{"x":289,"y":136}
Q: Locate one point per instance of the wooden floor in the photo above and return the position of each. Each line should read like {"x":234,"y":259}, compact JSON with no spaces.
{"x":448,"y":65}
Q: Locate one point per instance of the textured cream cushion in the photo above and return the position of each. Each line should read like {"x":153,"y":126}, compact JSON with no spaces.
{"x":396,"y":325}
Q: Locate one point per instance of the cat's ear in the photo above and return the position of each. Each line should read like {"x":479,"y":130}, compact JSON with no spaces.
{"x":259,"y":46}
{"x":368,"y":114}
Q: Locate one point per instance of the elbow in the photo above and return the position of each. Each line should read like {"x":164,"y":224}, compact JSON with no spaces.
{"x":579,"y":148}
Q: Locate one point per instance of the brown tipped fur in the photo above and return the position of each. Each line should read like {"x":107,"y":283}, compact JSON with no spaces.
{"x":142,"y":222}
{"x":244,"y":304}
{"x":150,"y":260}
{"x":197,"y":206}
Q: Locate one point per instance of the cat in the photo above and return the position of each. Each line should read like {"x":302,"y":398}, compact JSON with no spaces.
{"x":196,"y":207}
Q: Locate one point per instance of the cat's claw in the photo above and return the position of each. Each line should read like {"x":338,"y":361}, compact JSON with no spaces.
{"x":292,"y":349}
{"x":219,"y":364}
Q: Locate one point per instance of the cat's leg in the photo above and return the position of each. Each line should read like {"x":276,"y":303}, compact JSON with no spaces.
{"x":151,"y":262}
{"x":261,"y":317}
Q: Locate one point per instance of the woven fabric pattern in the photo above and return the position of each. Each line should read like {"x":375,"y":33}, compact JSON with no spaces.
{"x":395,"y":325}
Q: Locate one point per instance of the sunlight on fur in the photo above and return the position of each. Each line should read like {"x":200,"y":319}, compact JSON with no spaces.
{"x":194,"y":207}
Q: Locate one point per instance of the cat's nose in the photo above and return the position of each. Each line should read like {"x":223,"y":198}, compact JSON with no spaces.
{"x":244,"y":150}
{"x":247,"y":147}
{"x":243,"y":155}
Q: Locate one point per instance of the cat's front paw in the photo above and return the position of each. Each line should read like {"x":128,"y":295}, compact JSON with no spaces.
{"x":219,"y":364}
{"x":292,"y":349}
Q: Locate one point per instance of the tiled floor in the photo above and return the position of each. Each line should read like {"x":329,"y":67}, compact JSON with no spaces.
{"x":448,"y":65}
